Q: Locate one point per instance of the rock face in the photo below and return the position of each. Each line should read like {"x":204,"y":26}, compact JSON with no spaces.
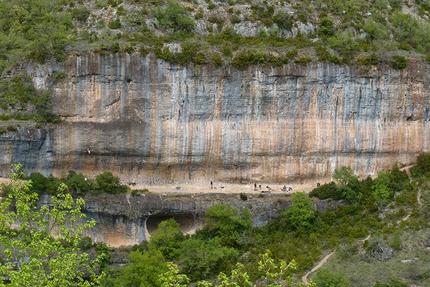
{"x":128,"y":220}
{"x":149,"y":121}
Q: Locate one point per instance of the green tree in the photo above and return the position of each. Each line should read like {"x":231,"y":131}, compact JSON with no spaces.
{"x":343,"y":175}
{"x":205,"y":258}
{"x":381,"y":186}
{"x":301,"y":213}
{"x":348,"y":182}
{"x":327,"y":278}
{"x":174,"y":16}
{"x":422,"y":167}
{"x":39,"y":183}
{"x":79,"y":183}
{"x":274,"y":274}
{"x":167,"y":239}
{"x":226,"y":222}
{"x":109,"y":183}
{"x":41,"y":244}
{"x":144,"y":270}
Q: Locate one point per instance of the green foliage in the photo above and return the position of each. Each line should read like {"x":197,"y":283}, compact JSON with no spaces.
{"x":227,"y":223}
{"x":41,"y":245}
{"x":422,"y":167}
{"x":398,"y":178}
{"x":109,"y":183}
{"x":343,"y":175}
{"x":393,"y":283}
{"x":243,"y":196}
{"x":172,"y":277}
{"x":396,"y":242}
{"x":327,"y":278}
{"x":205,"y":258}
{"x":327,"y":27}
{"x":39,"y":183}
{"x":301,"y":213}
{"x":174,"y":16}
{"x":58,"y":75}
{"x":80,"y":14}
{"x":245,"y":58}
{"x":36,"y":30}
{"x":381,"y":186}
{"x":399,"y":62}
{"x":115,"y":24}
{"x":144,"y":270}
{"x":303,"y":60}
{"x":167,"y":239}
{"x":78,"y":182}
{"x":283,"y":20}
{"x":325,"y":191}
{"x":18,"y":93}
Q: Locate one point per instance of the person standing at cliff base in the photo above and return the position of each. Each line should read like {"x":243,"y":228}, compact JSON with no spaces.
{"x":212,"y":184}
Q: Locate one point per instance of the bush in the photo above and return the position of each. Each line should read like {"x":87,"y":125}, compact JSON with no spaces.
{"x":109,"y":183}
{"x":115,"y":24}
{"x":325,"y":191}
{"x":80,"y":14}
{"x":58,"y":75}
{"x":174,"y":16}
{"x":79,"y":183}
{"x":399,"y":62}
{"x":303,"y":60}
{"x":422,"y":166}
{"x":283,"y":20}
{"x":243,"y":196}
{"x":327,"y":278}
{"x":39,"y":184}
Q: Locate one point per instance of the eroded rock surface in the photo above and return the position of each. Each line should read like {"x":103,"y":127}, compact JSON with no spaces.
{"x":149,"y":121}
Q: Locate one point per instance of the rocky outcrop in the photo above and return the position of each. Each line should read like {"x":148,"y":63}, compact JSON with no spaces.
{"x":128,"y":220}
{"x":149,"y":121}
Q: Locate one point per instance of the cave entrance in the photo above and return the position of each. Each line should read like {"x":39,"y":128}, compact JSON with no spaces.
{"x":188,"y":224}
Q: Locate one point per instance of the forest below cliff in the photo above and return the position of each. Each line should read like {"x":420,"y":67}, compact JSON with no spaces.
{"x":378,"y":237}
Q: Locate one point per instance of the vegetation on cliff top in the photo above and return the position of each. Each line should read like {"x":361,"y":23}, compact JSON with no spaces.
{"x":234,"y":32}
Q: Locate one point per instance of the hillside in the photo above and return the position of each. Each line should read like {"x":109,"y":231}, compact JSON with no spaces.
{"x":235,"y":32}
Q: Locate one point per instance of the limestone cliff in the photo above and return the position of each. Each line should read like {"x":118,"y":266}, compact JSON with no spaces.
{"x":149,"y":121}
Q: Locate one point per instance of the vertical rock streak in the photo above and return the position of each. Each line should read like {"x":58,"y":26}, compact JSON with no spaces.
{"x":151,"y":121}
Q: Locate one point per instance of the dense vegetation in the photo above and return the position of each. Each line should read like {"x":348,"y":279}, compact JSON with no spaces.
{"x":236,"y":32}
{"x":387,"y":212}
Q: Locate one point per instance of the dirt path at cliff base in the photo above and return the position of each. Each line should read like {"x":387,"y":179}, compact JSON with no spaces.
{"x":217,"y":187}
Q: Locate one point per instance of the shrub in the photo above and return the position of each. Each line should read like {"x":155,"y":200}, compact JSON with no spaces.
{"x":136,"y":192}
{"x":325,"y":191}
{"x":11,"y":128}
{"x":303,"y":60}
{"x":58,"y":75}
{"x":79,"y":183}
{"x":283,"y":20}
{"x":399,"y":62}
{"x":4,"y":117}
{"x":80,"y":14}
{"x":39,"y":183}
{"x":115,"y":24}
{"x":327,"y":278}
{"x":174,"y":16}
{"x":326,"y":27}
{"x":422,"y":166}
{"x":109,"y":183}
{"x":243,"y":196}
